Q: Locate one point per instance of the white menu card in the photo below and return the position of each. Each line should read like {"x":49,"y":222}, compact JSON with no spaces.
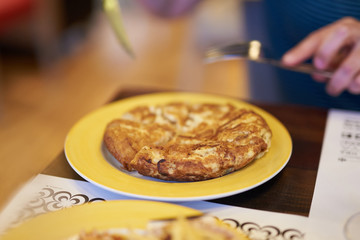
{"x":337,"y":190}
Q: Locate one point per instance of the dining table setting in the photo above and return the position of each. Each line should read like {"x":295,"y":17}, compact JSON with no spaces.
{"x":304,"y":187}
{"x":307,"y":192}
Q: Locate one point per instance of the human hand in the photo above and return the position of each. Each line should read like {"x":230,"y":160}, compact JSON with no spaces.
{"x":334,"y":47}
{"x":169,"y":8}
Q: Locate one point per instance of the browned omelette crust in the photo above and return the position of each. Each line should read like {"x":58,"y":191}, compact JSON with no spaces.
{"x":187,"y":142}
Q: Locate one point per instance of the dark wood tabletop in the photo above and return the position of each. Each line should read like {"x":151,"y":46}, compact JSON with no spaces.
{"x":292,"y":189}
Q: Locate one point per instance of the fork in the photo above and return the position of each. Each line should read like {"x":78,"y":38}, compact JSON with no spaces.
{"x":253,"y":51}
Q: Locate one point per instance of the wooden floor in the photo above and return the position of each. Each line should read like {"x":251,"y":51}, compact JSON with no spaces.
{"x":39,"y":106}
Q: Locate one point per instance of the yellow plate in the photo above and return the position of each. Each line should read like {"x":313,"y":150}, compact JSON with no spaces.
{"x":69,"y":222}
{"x":87,"y":156}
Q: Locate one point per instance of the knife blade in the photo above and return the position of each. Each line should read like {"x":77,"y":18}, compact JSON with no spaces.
{"x":113,"y":12}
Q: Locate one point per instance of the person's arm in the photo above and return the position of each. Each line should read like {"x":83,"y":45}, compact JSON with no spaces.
{"x":169,"y":8}
{"x":335,"y":46}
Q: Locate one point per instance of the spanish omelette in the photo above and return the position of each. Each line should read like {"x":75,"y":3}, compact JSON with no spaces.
{"x":181,"y":141}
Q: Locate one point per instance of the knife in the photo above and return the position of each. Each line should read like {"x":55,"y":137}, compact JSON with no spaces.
{"x":113,"y":12}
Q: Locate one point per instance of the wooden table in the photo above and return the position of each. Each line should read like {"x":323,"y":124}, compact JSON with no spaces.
{"x":292,"y":189}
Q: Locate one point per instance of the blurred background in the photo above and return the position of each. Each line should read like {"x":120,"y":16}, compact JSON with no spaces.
{"x":59,"y":60}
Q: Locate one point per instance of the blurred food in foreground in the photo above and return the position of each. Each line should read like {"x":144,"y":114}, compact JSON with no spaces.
{"x":201,"y":228}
